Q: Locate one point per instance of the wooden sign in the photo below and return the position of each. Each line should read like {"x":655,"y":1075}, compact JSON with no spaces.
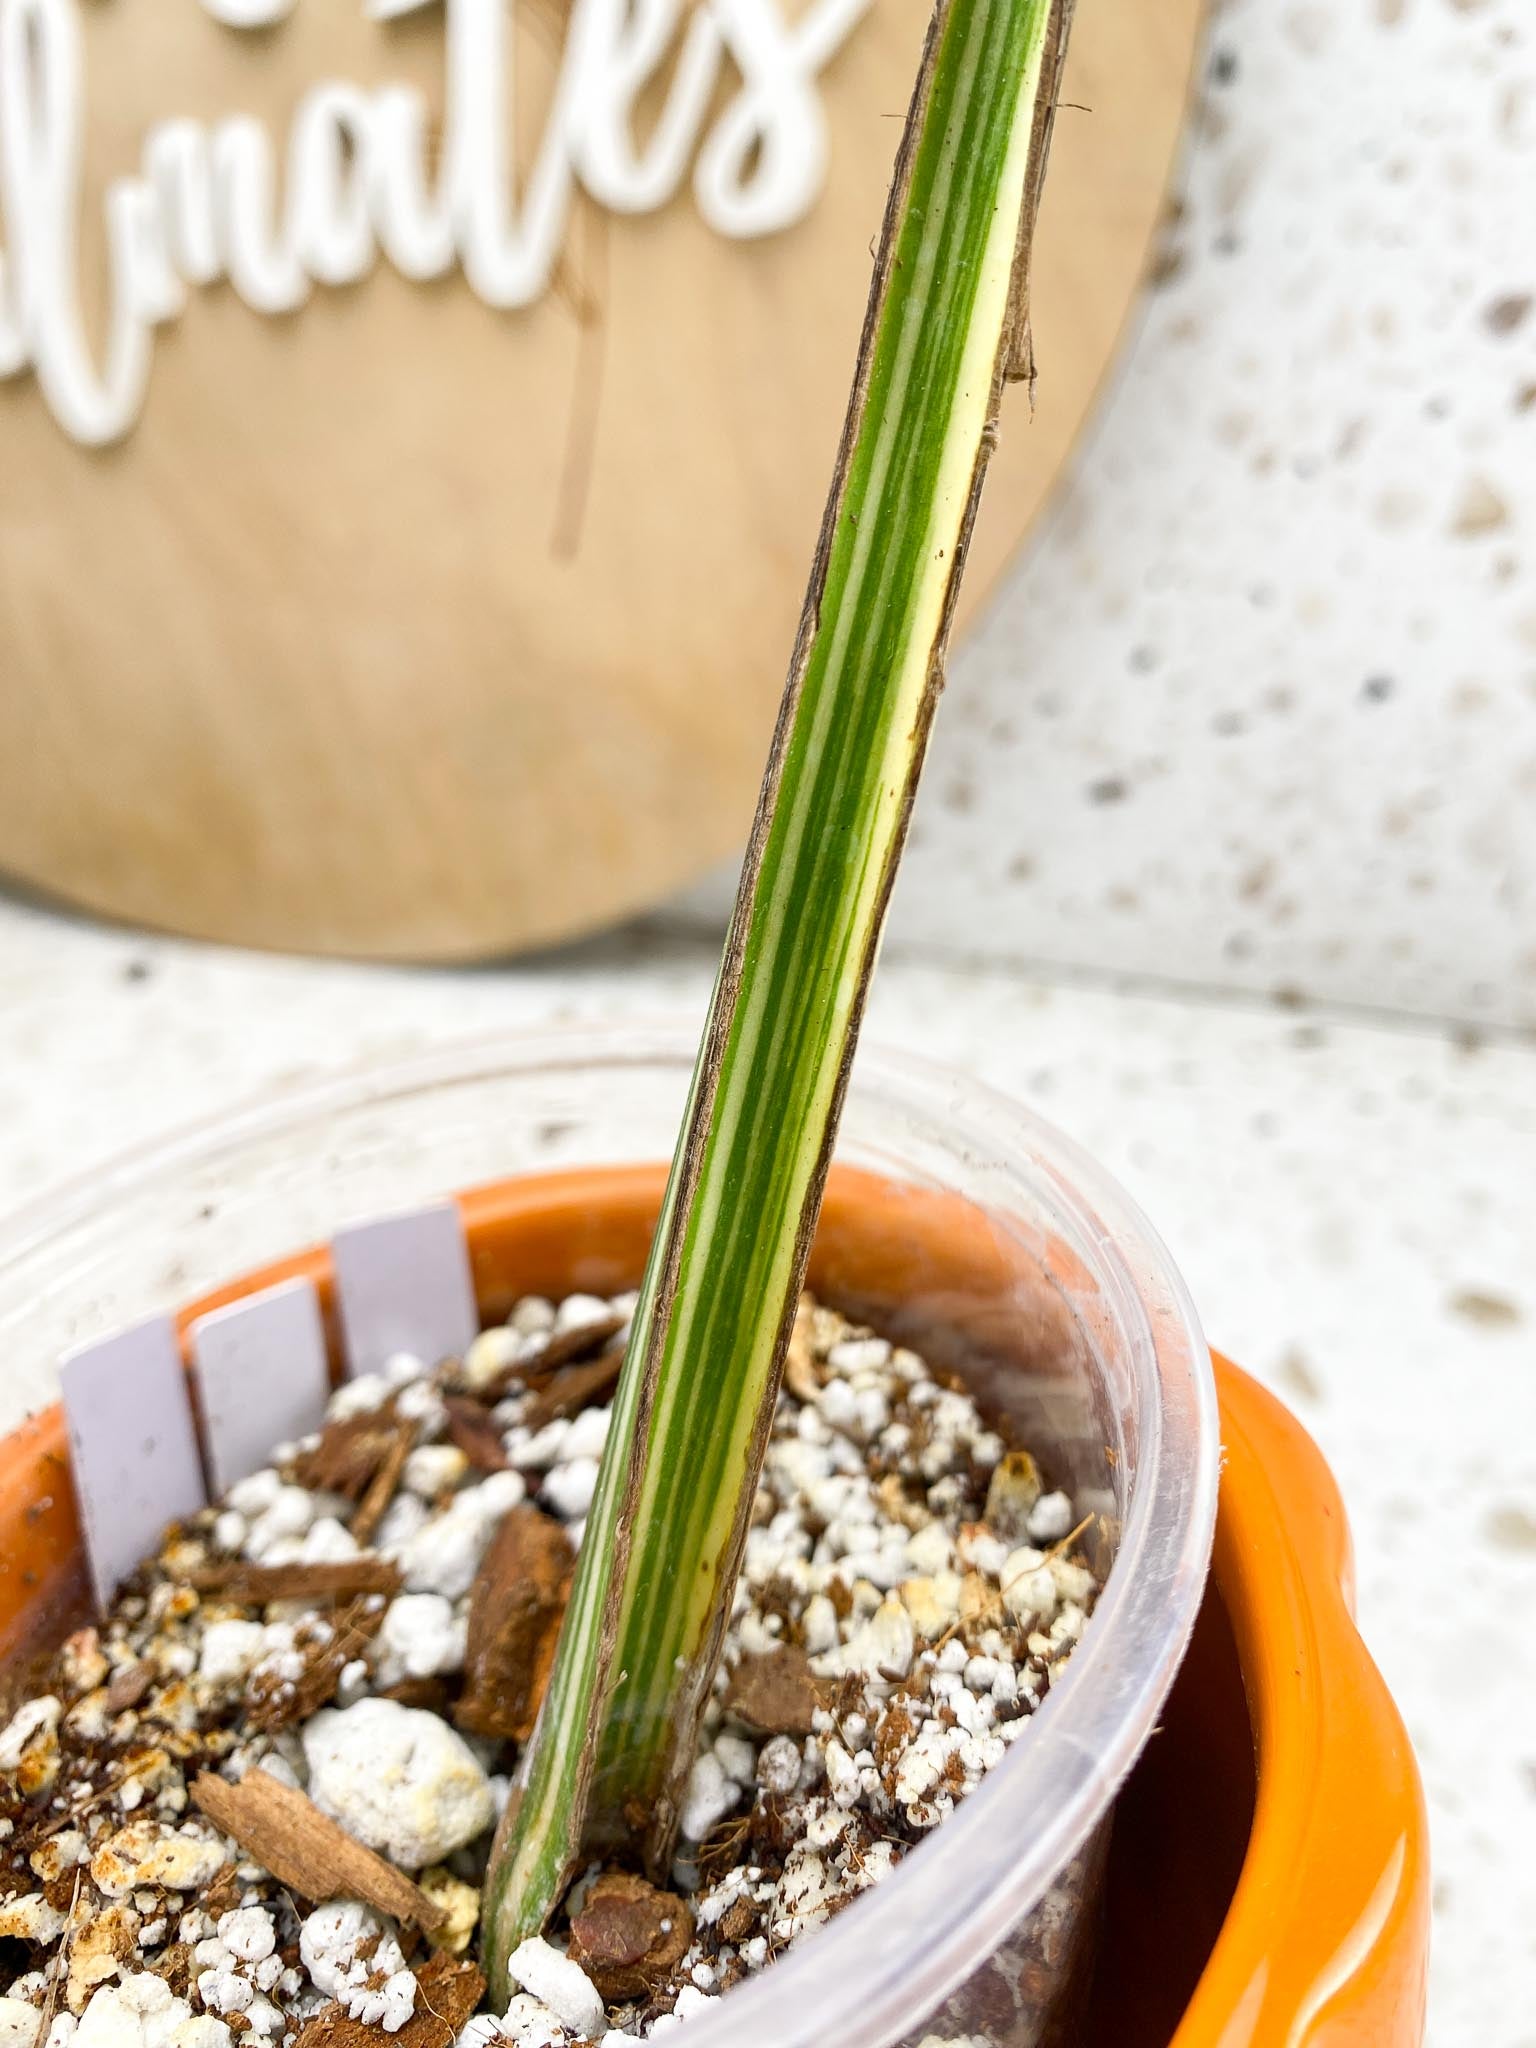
{"x":414,"y":421}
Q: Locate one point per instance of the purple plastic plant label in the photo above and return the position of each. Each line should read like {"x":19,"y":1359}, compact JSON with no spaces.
{"x":133,"y":1446}
{"x":403,"y":1284}
{"x":262,"y":1377}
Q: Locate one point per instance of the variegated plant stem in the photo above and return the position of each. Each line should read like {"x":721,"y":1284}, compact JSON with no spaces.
{"x":947,"y":326}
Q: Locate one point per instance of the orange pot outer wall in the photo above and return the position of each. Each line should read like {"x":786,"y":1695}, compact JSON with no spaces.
{"x":1326,"y":1939}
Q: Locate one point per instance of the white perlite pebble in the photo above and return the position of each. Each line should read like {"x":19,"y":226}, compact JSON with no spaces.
{"x":538,"y":1450}
{"x":406,"y":1514}
{"x":326,"y":1542}
{"x":529,"y":2023}
{"x":532,"y":1317}
{"x":930,"y":1550}
{"x":578,"y":1310}
{"x":737,"y":1758}
{"x":820,"y":1624}
{"x":858,"y":1354}
{"x":842,"y":1774}
{"x":248,"y":1934}
{"x":30,"y":1918}
{"x":561,"y":1984}
{"x":145,"y":1855}
{"x":288,"y":1515}
{"x":883,"y":1648}
{"x":222,"y":1988}
{"x":254,"y":1494}
{"x":359,"y":1396}
{"x":479,"y":2031}
{"x":691,"y":2002}
{"x":432,"y":1469}
{"x":443,"y":1554}
{"x":419,"y":1638}
{"x":353,"y":1683}
{"x":804,"y":1895}
{"x":1050,"y":1519}
{"x":569,"y":1488}
{"x":143,"y":2012}
{"x":492,"y":1352}
{"x":398,"y":1779}
{"x":230,"y":1650}
{"x":421,"y":1402}
{"x":709,"y":1797}
{"x":392,"y":2006}
{"x":37,"y":1717}
{"x":587,"y":1434}
{"x":18,"y":2023}
{"x":329,"y":1942}
{"x":778,"y":1767}
{"x":1027,"y":1585}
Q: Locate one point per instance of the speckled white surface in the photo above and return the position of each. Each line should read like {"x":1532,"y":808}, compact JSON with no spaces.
{"x":1261,"y":706}
{"x":1258,"y":707}
{"x":1351,"y":1205}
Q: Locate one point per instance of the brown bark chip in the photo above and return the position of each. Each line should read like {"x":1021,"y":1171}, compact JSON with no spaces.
{"x":472,"y":1429}
{"x":278,"y":1702}
{"x":573,"y":1388}
{"x":571,"y":1345}
{"x":776,"y":1692}
{"x":304,"y":1849}
{"x":383,"y":1485}
{"x":628,"y":1936}
{"x":447,"y":1993}
{"x":349,"y":1453}
{"x":427,"y":1695}
{"x":128,"y":1686}
{"x":256,"y":1584}
{"x":515,"y":1612}
{"x":566,"y":1348}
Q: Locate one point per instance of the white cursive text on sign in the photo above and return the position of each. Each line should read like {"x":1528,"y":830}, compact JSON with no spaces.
{"x":207,"y":202}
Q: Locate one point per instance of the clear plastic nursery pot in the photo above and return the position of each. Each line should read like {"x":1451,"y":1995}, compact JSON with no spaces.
{"x":954,"y":1220}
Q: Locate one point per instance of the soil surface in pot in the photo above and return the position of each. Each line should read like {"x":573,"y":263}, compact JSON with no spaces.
{"x":258,"y":1799}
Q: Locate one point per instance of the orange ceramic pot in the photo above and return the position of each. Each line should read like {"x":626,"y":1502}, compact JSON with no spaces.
{"x":1267,"y":1876}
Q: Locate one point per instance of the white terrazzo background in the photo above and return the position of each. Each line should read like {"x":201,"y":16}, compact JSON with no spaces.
{"x":1351,"y":1204}
{"x":1258,"y":708}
